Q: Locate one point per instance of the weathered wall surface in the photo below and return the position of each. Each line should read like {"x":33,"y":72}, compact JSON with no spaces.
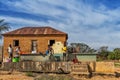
{"x":102,"y":67}
{"x":25,"y":42}
{"x":75,"y":68}
{"x":106,"y":67}
{"x":37,"y":66}
{"x":58,"y":47}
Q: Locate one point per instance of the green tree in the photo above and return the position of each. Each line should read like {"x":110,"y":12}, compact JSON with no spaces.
{"x":3,"y":26}
{"x":111,"y":56}
{"x":117,"y":53}
{"x":104,"y":54}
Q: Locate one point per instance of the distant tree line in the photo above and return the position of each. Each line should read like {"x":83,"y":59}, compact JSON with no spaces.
{"x":109,"y":55}
{"x":102,"y":53}
{"x":80,"y":48}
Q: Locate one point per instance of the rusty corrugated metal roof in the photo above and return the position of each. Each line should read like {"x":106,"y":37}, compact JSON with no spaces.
{"x":34,"y":31}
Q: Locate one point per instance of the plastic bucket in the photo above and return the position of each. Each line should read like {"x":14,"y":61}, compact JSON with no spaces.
{"x":15,"y":60}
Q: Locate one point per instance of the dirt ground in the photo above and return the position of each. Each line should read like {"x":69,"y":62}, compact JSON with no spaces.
{"x":4,"y":75}
{"x":99,"y":78}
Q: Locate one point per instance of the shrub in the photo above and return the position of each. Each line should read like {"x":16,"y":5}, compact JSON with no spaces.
{"x":29,"y":74}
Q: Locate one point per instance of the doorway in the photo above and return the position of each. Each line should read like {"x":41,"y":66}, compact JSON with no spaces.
{"x":34,"y":45}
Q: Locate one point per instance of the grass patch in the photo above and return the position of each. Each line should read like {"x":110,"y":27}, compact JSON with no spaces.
{"x":117,"y":64}
{"x":30,"y":74}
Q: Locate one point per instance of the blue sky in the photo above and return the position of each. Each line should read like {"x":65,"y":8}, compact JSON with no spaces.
{"x":94,"y":22}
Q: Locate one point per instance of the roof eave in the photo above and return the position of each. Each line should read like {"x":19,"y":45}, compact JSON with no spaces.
{"x":31,"y":34}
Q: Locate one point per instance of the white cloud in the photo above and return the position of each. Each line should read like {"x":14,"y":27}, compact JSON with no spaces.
{"x":34,"y":7}
{"x":21,"y":20}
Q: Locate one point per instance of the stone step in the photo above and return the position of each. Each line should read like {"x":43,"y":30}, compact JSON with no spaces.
{"x":80,"y":69}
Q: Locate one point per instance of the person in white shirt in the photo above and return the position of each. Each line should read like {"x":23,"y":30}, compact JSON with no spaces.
{"x":10,"y":51}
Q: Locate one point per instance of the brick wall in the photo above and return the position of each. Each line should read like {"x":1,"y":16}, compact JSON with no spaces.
{"x":25,"y":42}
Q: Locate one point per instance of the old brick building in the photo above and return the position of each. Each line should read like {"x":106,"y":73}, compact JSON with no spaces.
{"x":33,"y":38}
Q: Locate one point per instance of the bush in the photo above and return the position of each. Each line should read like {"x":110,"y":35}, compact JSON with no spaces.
{"x":111,"y":56}
{"x":29,"y":74}
{"x":117,"y":64}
